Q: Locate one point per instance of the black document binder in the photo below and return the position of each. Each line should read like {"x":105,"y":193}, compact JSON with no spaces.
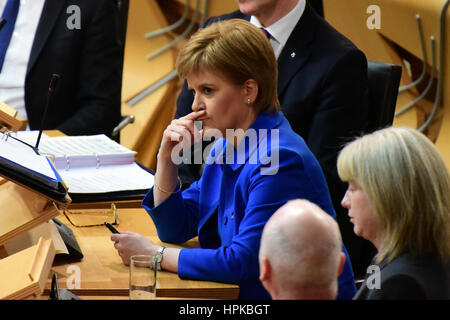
{"x":12,"y":169}
{"x":97,"y":169}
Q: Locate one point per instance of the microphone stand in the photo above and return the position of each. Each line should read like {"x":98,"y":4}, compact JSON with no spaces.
{"x":51,"y":90}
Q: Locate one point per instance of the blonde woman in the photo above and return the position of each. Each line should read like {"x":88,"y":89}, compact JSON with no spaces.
{"x":398,"y":198}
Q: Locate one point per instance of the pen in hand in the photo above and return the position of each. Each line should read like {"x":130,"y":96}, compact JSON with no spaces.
{"x":111,"y":228}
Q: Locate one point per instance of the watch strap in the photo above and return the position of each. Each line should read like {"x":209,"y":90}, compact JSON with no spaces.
{"x":159,"y":254}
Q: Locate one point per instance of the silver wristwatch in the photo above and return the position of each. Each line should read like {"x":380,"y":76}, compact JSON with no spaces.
{"x":159,"y":256}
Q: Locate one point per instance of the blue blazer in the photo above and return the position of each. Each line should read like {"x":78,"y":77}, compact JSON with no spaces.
{"x":229,"y":206}
{"x":322,"y":88}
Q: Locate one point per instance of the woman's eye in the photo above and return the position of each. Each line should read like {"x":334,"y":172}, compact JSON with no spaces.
{"x":207,"y":90}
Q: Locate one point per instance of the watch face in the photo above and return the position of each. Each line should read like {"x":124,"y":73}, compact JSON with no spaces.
{"x":158,"y":258}
{"x":159,"y":254}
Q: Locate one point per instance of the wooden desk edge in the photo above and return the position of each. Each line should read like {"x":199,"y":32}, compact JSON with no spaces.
{"x":206,"y":293}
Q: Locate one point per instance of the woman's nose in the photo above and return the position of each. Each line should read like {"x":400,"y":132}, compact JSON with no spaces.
{"x":197,"y":104}
{"x":345,"y":201}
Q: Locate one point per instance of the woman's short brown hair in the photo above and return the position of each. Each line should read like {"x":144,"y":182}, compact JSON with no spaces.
{"x":238,"y":51}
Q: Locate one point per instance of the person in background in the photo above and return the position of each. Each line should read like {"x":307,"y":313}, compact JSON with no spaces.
{"x":398,"y":199}
{"x":308,"y":266}
{"x":322,"y":89}
{"x":77,"y":40}
{"x":241,"y":187}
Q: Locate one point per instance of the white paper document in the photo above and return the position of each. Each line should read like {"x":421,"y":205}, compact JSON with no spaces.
{"x":25,"y":156}
{"x":82,"y":145}
{"x":107,"y":179}
{"x":29,"y":136}
{"x":91,"y":164}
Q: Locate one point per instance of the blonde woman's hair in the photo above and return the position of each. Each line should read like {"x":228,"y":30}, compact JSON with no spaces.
{"x":408,"y":185}
{"x":238,"y":51}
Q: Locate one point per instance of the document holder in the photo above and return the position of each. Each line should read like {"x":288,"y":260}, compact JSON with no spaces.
{"x":21,"y":210}
{"x":9,"y":120}
{"x":97,"y":170}
{"x":24,"y":275}
{"x":32,"y":190}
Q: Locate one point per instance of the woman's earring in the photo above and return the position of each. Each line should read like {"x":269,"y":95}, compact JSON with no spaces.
{"x":249,"y":101}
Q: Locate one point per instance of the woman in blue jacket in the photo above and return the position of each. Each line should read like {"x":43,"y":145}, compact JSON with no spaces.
{"x":256,"y":164}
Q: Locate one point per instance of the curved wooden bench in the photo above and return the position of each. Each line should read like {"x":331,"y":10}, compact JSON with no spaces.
{"x":398,"y":36}
{"x":215,"y":7}
{"x":153,"y":113}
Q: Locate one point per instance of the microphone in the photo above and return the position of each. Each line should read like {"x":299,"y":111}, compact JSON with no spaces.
{"x":2,"y":23}
{"x":51,"y":90}
{"x":127,"y":120}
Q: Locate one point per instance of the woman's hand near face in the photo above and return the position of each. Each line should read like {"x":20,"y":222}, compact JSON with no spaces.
{"x":182,"y":131}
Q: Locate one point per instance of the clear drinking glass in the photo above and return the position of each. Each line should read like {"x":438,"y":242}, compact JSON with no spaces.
{"x":143,"y":277}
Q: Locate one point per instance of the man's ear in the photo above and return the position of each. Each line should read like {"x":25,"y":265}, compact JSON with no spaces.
{"x":342,"y":263}
{"x":265,"y":270}
{"x":266,"y":277}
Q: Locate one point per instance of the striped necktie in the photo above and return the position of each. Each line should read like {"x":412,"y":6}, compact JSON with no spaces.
{"x":10,"y":15}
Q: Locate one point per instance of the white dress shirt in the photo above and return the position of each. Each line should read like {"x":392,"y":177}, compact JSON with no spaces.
{"x":12,"y":76}
{"x":282,"y":29}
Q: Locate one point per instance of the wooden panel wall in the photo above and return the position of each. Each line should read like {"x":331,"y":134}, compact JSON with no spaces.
{"x":396,"y":39}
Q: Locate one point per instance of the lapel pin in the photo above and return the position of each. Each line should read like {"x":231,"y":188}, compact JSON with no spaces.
{"x":293,"y":55}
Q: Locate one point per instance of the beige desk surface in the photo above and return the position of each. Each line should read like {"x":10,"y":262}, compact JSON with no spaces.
{"x":102,"y":273}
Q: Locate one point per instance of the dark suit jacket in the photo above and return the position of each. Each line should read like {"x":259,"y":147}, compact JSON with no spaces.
{"x":89,"y":61}
{"x":322,"y":88}
{"x":408,"y":278}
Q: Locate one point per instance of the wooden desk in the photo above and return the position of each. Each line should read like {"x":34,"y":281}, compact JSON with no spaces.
{"x":103,"y":274}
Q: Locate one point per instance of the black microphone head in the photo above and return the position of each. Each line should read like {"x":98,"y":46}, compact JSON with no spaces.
{"x":53,"y":82}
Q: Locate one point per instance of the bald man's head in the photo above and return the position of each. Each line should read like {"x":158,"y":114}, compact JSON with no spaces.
{"x":301,"y":245}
